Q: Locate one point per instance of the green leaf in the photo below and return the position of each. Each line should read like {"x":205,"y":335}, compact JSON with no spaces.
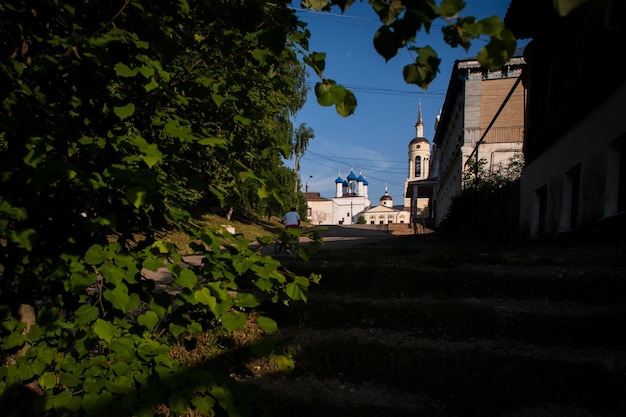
{"x":149,"y":319}
{"x":24,"y":238}
{"x":136,"y":196}
{"x":47,"y":381}
{"x":425,"y":68}
{"x":194,"y":328}
{"x":15,"y":339}
{"x":232,"y":322}
{"x":178,"y":403}
{"x":317,"y":61}
{"x":35,"y":156}
{"x":152,"y":85}
{"x":124,"y":112}
{"x":153,"y":263}
{"x":104,"y":330}
{"x":95,"y":255}
{"x":118,"y":297}
{"x":147,"y":72}
{"x":86,"y":314}
{"x":212,"y":141}
{"x":65,"y":403}
{"x":203,"y":296}
{"x":150,"y":153}
{"x":124,"y":70}
{"x":315,"y":5}
{"x":242,"y":120}
{"x":176,"y":329}
{"x":80,"y":280}
{"x":387,"y":43}
{"x":297,"y":290}
{"x":204,"y":404}
{"x":267,"y":324}
{"x":218,"y":99}
{"x":450,"y":8}
{"x":69,"y":380}
{"x":284,"y":363}
{"x":347,"y":106}
{"x":564,"y":7}
{"x":246,"y":300}
{"x":151,"y":349}
{"x":498,"y":51}
{"x":323,"y":87}
{"x":186,"y":278}
{"x":332,"y":96}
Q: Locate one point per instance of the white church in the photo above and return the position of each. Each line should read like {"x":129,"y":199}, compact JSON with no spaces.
{"x":351,"y":202}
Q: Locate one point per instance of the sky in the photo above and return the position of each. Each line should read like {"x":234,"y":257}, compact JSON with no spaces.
{"x":372,"y":142}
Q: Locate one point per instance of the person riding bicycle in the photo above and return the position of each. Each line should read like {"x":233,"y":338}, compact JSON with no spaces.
{"x":291,"y":220}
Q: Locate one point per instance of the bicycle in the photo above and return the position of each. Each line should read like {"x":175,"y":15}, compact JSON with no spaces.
{"x":280,"y":246}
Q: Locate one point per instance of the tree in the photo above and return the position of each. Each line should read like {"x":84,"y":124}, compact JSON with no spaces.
{"x":300,"y":142}
{"x":477,"y":176}
{"x":116,"y":119}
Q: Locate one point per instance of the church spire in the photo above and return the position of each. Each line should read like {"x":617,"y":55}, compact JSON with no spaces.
{"x":419,"y":126}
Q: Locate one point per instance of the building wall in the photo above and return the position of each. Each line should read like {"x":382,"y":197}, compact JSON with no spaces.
{"x":380,"y":215}
{"x":321,"y":211}
{"x":465,"y":129}
{"x":346,"y":209}
{"x":575,"y":184}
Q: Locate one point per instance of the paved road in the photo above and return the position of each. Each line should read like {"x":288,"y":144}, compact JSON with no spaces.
{"x":339,"y":237}
{"x":335,"y":237}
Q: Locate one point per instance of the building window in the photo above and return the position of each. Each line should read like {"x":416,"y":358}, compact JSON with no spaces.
{"x":540,"y":212}
{"x":569,"y":204}
{"x":418,"y":166}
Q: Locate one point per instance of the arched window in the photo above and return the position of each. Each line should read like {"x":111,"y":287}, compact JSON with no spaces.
{"x":418,"y":166}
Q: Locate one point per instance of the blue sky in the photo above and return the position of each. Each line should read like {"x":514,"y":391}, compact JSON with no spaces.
{"x":374,"y":140}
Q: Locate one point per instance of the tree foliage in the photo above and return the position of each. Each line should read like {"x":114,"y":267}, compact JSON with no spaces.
{"x":401,"y":21}
{"x":477,"y":176}
{"x":117,"y":117}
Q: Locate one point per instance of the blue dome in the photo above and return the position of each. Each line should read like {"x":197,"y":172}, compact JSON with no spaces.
{"x":360,"y":179}
{"x":346,"y":183}
{"x":339,"y":180}
{"x":365,"y":182}
{"x":351,"y":177}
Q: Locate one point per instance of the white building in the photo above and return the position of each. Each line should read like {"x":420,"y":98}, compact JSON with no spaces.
{"x":385,"y":212}
{"x":350,"y":199}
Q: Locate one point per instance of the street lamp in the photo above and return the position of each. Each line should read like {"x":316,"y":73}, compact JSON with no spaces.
{"x":306,"y":184}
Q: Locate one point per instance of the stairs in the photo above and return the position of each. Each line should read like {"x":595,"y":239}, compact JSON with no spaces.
{"x":434,"y":328}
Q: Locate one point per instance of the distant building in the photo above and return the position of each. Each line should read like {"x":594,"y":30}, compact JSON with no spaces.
{"x":385,"y":212}
{"x":350,"y":203}
{"x":420,"y":187}
{"x":350,"y":199}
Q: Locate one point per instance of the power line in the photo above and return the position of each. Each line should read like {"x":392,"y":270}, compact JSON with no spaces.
{"x":342,"y":18}
{"x":389,"y":91}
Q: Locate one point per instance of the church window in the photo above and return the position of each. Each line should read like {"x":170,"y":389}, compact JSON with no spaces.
{"x":418,"y":166}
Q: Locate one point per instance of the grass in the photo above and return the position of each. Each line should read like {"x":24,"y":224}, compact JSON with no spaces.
{"x":250,"y":230}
